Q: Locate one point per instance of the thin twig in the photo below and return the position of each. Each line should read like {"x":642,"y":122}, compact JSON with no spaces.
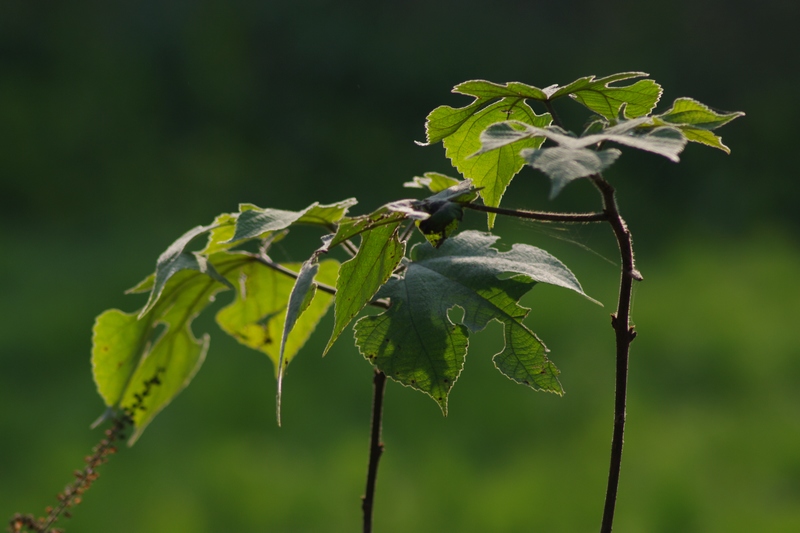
{"x":621,"y":322}
{"x":541,"y":215}
{"x":375,"y":449}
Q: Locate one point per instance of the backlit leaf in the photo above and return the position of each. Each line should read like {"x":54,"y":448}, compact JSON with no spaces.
{"x":415,"y":341}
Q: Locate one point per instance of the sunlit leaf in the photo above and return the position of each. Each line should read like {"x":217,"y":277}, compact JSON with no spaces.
{"x":128,"y":352}
{"x":361,"y":277}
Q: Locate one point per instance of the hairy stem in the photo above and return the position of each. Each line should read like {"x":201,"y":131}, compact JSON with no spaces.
{"x":544,"y":216}
{"x":621,"y":322}
{"x":375,"y":449}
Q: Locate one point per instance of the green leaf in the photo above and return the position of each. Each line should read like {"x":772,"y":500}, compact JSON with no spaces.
{"x":598,"y":95}
{"x":433,"y":181}
{"x":695,"y":120}
{"x":127,"y":352}
{"x":173,"y":260}
{"x":492,"y":171}
{"x":690,"y":112}
{"x":487,"y":89}
{"x":256,"y":318}
{"x":300,"y":299}
{"x":361,"y":277}
{"x":416,"y":343}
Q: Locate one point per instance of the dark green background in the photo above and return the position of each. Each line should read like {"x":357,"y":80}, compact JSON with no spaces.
{"x":125,"y":124}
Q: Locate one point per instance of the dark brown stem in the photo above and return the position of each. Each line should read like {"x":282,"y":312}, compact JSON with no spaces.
{"x":625,"y":334}
{"x":541,"y":215}
{"x":375,"y":449}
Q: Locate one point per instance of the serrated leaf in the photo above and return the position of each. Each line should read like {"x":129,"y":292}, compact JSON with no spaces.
{"x":690,"y":112}
{"x":433,"y":181}
{"x":361,"y":277}
{"x":300,"y":299}
{"x":702,"y":136}
{"x":492,"y":171}
{"x":417,"y":344}
{"x":563,"y":165}
{"x":487,"y":90}
{"x":256,"y":317}
{"x":127,"y":352}
{"x":696,"y":120}
{"x":638,"y":99}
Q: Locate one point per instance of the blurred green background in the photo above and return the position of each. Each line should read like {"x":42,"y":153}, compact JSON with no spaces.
{"x":125,"y":124}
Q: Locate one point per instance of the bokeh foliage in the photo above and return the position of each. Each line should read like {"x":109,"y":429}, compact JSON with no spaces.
{"x":126,"y":124}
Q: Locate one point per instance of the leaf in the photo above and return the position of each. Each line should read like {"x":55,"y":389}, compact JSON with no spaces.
{"x":487,"y":89}
{"x":690,"y":112}
{"x":433,"y":181}
{"x":257,"y":222}
{"x":416,"y":343}
{"x":573,"y":159}
{"x":639,"y":99}
{"x":300,"y":299}
{"x":127,"y":352}
{"x":563,"y":165}
{"x":256,"y":317}
{"x":361,"y":277}
{"x":173,"y":260}
{"x":695,"y":120}
{"x":492,"y":171}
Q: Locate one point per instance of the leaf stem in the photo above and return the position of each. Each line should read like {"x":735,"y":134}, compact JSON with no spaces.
{"x":621,"y":322}
{"x":375,"y":448}
{"x":541,"y":215}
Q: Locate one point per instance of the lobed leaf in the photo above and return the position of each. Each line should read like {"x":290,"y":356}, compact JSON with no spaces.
{"x":128,"y":352}
{"x":492,"y":171}
{"x":636,"y":100}
{"x":416,"y":343}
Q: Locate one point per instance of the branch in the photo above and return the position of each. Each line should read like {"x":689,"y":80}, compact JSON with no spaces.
{"x":541,"y":215}
{"x":621,"y":322}
{"x":375,"y":449}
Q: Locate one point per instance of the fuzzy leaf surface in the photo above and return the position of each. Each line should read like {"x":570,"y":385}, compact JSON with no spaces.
{"x":128,"y":351}
{"x":360,"y":278}
{"x":417,"y":344}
